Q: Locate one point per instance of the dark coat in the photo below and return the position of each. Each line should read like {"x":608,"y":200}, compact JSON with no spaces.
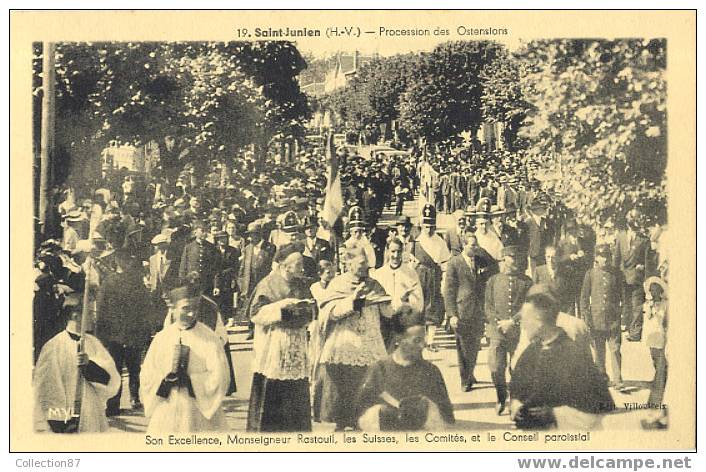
{"x":627,"y":257}
{"x":504,"y":295}
{"x":320,"y":251}
{"x":601,"y":298}
{"x":124,"y":310}
{"x":560,"y":283}
{"x":203,"y":259}
{"x":254,"y":268}
{"x":561,"y":373}
{"x":462,"y":292}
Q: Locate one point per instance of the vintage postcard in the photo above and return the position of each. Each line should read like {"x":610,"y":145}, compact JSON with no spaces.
{"x":353,"y":230}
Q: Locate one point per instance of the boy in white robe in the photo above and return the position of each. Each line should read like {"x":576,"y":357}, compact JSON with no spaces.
{"x":185,"y":374}
{"x":56,"y":374}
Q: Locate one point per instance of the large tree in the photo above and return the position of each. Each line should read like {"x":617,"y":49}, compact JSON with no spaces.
{"x":443,"y":96}
{"x":213,"y":97}
{"x":598,"y":120}
{"x":503,"y":99}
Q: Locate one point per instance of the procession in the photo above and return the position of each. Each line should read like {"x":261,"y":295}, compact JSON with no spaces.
{"x":430,"y":272}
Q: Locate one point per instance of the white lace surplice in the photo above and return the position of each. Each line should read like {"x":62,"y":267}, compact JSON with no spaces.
{"x":280,"y":353}
{"x":354,"y":339}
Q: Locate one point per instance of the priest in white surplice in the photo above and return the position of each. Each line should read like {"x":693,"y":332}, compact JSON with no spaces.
{"x":401,"y":282}
{"x":185,"y":374}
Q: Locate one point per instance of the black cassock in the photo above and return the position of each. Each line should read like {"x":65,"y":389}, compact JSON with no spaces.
{"x":559,"y":374}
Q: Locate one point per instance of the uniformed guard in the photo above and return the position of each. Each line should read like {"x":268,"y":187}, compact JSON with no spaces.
{"x":199,"y":262}
{"x":601,"y":304}
{"x":291,"y":227}
{"x":504,"y":295}
{"x":357,"y":227}
{"x":432,"y":254}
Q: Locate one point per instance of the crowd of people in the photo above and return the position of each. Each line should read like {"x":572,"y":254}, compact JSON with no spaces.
{"x":148,"y":274}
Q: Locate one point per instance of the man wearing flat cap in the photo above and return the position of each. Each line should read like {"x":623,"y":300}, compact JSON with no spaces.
{"x":162,"y":275}
{"x":504,"y":295}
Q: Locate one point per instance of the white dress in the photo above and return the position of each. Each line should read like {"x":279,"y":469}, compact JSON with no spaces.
{"x":55,"y":383}
{"x":209,"y":374}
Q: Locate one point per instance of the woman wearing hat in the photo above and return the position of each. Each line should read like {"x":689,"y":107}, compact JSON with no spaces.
{"x":655,"y":337}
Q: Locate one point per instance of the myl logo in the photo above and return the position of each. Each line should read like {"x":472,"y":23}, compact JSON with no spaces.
{"x":61,"y":414}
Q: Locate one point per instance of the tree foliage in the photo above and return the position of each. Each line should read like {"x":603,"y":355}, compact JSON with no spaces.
{"x":598,"y":119}
{"x":443,"y":96}
{"x":214,"y":97}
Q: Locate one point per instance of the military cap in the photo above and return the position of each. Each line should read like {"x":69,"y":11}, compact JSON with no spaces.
{"x":428,"y":215}
{"x":483,"y":209}
{"x":290,"y":222}
{"x":356,"y":218}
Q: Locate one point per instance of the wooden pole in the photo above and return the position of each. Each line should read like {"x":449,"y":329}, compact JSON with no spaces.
{"x":47,"y":133}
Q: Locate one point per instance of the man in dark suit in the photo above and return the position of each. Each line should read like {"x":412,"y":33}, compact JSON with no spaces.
{"x":466,"y":274}
{"x":315,"y":249}
{"x":125,"y":317}
{"x":629,"y":257}
{"x":552,"y":275}
{"x":574,"y":260}
{"x":227,"y":273}
{"x":454,"y":237}
{"x":538,"y":234}
{"x":255,"y":265}
{"x":199,"y":262}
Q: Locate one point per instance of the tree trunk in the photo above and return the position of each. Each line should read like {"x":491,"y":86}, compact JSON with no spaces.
{"x":47,"y":136}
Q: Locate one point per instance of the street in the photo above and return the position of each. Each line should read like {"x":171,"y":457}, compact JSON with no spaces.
{"x":474,"y":411}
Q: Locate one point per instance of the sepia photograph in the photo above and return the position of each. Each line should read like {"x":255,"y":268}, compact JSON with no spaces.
{"x":385,"y":231}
